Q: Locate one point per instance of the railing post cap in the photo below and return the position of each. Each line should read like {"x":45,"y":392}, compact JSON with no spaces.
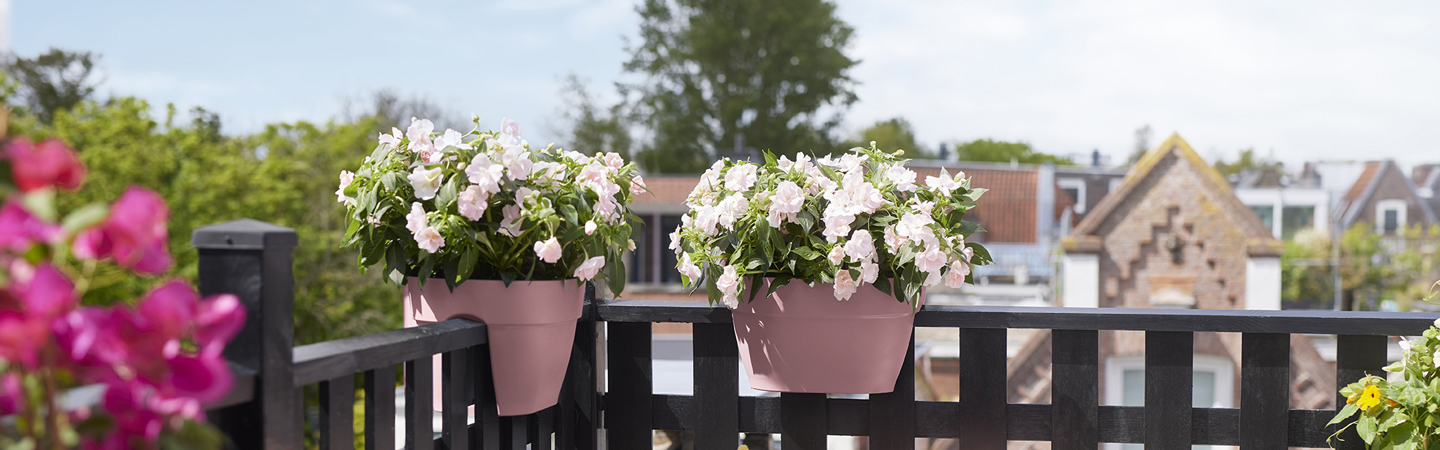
{"x":243,"y":234}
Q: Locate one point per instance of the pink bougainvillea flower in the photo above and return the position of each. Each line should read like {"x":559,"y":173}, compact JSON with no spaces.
{"x":47,"y":294}
{"x":206,"y":379}
{"x":168,"y":309}
{"x":134,"y":234}
{"x":11,"y":397}
{"x":19,"y":229}
{"x":217,"y":319}
{"x":134,"y":419}
{"x":46,"y":164}
{"x":21,"y":337}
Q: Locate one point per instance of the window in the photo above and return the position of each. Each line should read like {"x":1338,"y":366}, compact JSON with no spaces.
{"x":1266,"y":213}
{"x":1212,"y":381}
{"x":652,"y":245}
{"x":1390,"y":216}
{"x":1075,"y":188}
{"x":1295,"y":218}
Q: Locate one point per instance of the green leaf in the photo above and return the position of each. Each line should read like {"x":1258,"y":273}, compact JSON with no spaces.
{"x":615,"y":273}
{"x":390,"y":180}
{"x":427,"y":268}
{"x":447,"y":194}
{"x":778,"y":283}
{"x":468,"y":258}
{"x":975,"y":194}
{"x":452,"y":272}
{"x":568,"y":212}
{"x":41,"y":203}
{"x":84,"y":217}
{"x":982,"y":256}
{"x":1366,"y":426}
{"x":806,"y":253}
{"x":755,"y":282}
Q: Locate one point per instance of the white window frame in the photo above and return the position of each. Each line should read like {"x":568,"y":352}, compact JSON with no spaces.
{"x":1115,"y":367}
{"x":1399,"y":206}
{"x":1079,"y":186}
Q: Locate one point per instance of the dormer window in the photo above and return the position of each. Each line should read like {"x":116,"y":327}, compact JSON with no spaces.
{"x":1390,"y":217}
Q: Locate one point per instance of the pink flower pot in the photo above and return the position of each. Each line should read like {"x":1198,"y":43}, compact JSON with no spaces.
{"x":531,"y":325}
{"x":801,"y":339}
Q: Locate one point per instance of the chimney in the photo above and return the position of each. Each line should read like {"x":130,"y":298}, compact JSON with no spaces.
{"x":1095,"y":158}
{"x":1044,"y":204}
{"x":944,"y":152}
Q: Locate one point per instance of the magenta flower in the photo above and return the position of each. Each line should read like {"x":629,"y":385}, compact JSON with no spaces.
{"x":19,"y":229}
{"x":134,"y":234}
{"x":217,"y":319}
{"x":49,"y":163}
{"x":12,"y":399}
{"x":47,"y":294}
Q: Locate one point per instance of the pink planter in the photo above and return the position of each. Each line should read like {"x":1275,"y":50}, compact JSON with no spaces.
{"x":803,"y":340}
{"x":531,"y":326}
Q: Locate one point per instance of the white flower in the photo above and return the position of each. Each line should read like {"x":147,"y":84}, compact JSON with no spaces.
{"x":346,"y":177}
{"x":473,"y":202}
{"x":426,"y":181}
{"x":1405,"y":345}
{"x":485,"y":173}
{"x":932,"y":279}
{"x":637,"y":186}
{"x":913,"y":226}
{"x":707,"y":218}
{"x":787,"y":201}
{"x":732,"y":208}
{"x":517,"y":162}
{"x":930,"y":260}
{"x":942,"y":183}
{"x":893,"y":241}
{"x":785,"y":163}
{"x":675,"y":239}
{"x":419,"y":134}
{"x":589,"y":268}
{"x":850,"y":162}
{"x":592,"y":174}
{"x":547,"y":172}
{"x":1437,"y":323}
{"x":844,"y":285}
{"x":430,"y":239}
{"x":903,"y":178}
{"x":826,"y":161}
{"x":510,"y":224}
{"x":740,"y":177}
{"x":689,"y":269}
{"x":926,"y":208}
{"x":548,"y":251}
{"x":391,"y":139}
{"x":451,"y":138}
{"x":728,"y":283}
{"x":590,"y":227}
{"x":415,"y":221}
{"x":862,"y":194}
{"x":869,"y":271}
{"x":614,"y":161}
{"x":509,"y":128}
{"x":861,"y":246}
{"x":837,"y":254}
{"x":836,"y":225}
{"x":1437,"y":358}
{"x":956,"y":276}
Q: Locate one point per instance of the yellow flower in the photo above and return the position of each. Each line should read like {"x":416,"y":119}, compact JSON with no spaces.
{"x":1370,"y":397}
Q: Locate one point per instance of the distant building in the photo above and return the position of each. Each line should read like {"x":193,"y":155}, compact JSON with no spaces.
{"x":1171,"y":235}
{"x":1383,"y":196}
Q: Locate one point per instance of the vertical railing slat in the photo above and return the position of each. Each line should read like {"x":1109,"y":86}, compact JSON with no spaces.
{"x":1169,"y":375}
{"x":892,"y":414}
{"x":419,"y":406}
{"x":578,"y":416}
{"x":1356,"y":357}
{"x":456,"y":383}
{"x":803,"y":420}
{"x":337,"y":413}
{"x":486,"y":432}
{"x":1075,"y":385}
{"x":380,"y":408}
{"x":541,"y":427}
{"x":1264,"y":390}
{"x":514,"y":431}
{"x":982,"y":388}
{"x":627,"y":415}
{"x":716,"y":408}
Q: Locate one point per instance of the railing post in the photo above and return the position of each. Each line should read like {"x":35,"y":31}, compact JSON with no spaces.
{"x":579,"y":397}
{"x":253,"y":260}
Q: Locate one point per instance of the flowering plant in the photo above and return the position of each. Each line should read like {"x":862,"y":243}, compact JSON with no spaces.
{"x":429,"y":204}
{"x":159,"y":361}
{"x":854,"y":220}
{"x":1403,"y":413}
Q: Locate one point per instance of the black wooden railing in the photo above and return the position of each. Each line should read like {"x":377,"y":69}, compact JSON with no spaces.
{"x":252,"y":260}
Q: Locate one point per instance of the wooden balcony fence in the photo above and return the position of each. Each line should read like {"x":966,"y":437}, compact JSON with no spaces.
{"x":253,"y":260}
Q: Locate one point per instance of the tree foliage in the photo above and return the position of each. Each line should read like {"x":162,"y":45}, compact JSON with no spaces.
{"x":892,"y":134}
{"x":1373,"y":268}
{"x":721,"y":71}
{"x":1248,"y":161}
{"x":54,"y":81}
{"x":987,"y":150}
{"x":593,"y":129}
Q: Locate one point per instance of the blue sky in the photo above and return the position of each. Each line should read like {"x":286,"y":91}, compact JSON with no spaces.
{"x":1306,"y":80}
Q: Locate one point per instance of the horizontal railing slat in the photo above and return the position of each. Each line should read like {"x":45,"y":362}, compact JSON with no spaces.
{"x":326,"y":360}
{"x":1060,"y":318}
{"x":1023,"y":421}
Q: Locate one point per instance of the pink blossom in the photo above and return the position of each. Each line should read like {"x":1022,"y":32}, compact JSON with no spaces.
{"x":740,"y":177}
{"x":836,"y":255}
{"x":19,"y":229}
{"x":509,"y":128}
{"x":637,"y":186}
{"x":47,"y":164}
{"x":415,"y":220}
{"x":861,"y":246}
{"x":451,"y":138}
{"x":485,"y":173}
{"x":21,"y":337}
{"x":869,"y":270}
{"x":419,"y":134}
{"x":549,"y":250}
{"x":590,"y":268}
{"x":426,"y":181}
{"x":590,"y":227}
{"x":12,"y":400}
{"x":473,"y":202}
{"x":204,"y":378}
{"x":614,"y":161}
{"x":845,"y":285}
{"x":903,"y":178}
{"x":511,"y":221}
{"x":689,"y":269}
{"x":729,"y":285}
{"x":930,"y":260}
{"x":850,"y":162}
{"x":134,"y":234}
{"x":430,"y":239}
{"x":218,"y":319}
{"x":346,"y":177}
{"x":391,"y":139}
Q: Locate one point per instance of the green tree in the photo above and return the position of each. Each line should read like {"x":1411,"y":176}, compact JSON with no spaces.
{"x":593,"y":129}
{"x":1372,"y":268}
{"x":890,"y":135}
{"x":719,"y":72}
{"x":54,"y":81}
{"x":1247,"y":160}
{"x":987,"y":150}
{"x":1142,"y":145}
